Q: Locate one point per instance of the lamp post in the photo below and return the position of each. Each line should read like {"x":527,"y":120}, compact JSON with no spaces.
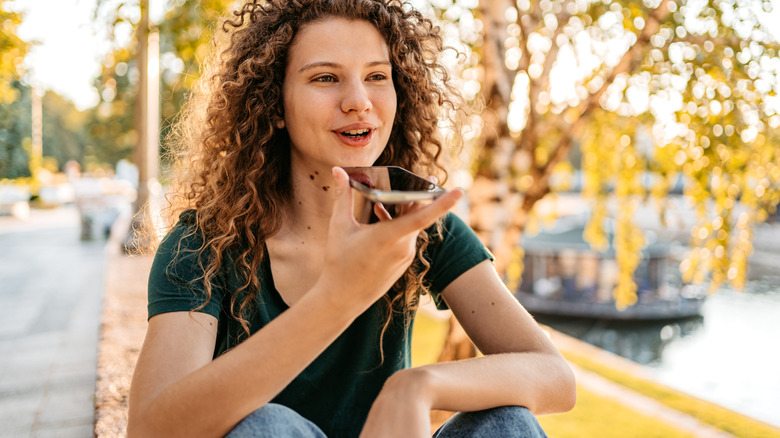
{"x":147,"y":125}
{"x":36,"y":157}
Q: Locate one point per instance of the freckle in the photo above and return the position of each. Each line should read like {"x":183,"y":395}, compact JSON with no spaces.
{"x":492,"y":303}
{"x":300,"y":203}
{"x":311,"y":176}
{"x":316,"y":173}
{"x":325,"y":188}
{"x":472,"y":312}
{"x":308,"y":228}
{"x":302,"y":242}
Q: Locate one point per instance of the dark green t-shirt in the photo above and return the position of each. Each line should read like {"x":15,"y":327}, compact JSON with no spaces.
{"x":337,"y":389}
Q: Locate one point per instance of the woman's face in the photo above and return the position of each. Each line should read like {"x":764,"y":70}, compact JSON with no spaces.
{"x":338,"y":94}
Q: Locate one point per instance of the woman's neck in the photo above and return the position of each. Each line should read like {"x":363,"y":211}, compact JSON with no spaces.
{"x":308,"y":212}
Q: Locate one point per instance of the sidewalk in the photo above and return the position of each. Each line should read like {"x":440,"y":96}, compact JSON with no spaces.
{"x":51,"y":292}
{"x":122,"y":333}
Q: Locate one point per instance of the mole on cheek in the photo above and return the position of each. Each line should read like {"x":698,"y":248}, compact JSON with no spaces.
{"x":316,"y":173}
{"x":311,"y":176}
{"x":325,"y":188}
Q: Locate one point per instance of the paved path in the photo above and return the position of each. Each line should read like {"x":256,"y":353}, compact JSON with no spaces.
{"x":51,"y":287}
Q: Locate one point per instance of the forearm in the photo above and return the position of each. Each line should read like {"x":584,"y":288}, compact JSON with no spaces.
{"x":539,"y":381}
{"x":213,"y":398}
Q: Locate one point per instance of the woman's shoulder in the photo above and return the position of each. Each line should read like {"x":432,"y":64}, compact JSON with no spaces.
{"x":454,"y":227}
{"x":183,"y":235}
{"x":456,"y":238}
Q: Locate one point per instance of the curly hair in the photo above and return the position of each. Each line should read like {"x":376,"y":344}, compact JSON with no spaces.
{"x":234,"y":166}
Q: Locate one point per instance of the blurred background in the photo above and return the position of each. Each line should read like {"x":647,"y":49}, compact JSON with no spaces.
{"x":621,"y":161}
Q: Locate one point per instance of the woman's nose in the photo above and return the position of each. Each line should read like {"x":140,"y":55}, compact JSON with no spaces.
{"x":355,"y":97}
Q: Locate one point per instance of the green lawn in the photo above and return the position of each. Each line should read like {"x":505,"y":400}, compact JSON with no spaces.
{"x":706,"y":412}
{"x":597,"y":416}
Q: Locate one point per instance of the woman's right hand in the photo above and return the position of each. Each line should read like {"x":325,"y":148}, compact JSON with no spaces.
{"x":362,"y":261}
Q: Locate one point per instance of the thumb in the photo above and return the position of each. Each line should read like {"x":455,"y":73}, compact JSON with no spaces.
{"x":342,"y":206}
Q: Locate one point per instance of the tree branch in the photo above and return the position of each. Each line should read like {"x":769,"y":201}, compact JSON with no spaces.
{"x":627,"y":61}
{"x":562,"y":18}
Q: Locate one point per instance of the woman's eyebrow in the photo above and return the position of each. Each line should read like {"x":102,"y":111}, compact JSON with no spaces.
{"x":337,"y":65}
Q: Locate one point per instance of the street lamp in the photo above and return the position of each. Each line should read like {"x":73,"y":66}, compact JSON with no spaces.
{"x":147,"y":123}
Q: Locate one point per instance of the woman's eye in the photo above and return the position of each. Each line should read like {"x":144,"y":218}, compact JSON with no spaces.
{"x":377,"y":77}
{"x":325,"y":78}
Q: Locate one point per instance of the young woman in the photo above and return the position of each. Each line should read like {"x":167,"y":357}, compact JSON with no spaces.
{"x":272,"y":311}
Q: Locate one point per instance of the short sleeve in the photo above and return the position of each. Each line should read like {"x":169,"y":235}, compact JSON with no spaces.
{"x":175,"y":279}
{"x":459,"y":251}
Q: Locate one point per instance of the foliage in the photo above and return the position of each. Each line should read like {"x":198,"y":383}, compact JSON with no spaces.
{"x":64,"y":130}
{"x":15,"y":134}
{"x":111,"y":122}
{"x":12,"y":52}
{"x":64,"y":133}
{"x":185,"y":33}
{"x":646,"y":90}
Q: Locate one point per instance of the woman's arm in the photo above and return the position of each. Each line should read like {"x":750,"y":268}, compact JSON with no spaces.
{"x":178,"y":390}
{"x":521,"y":367}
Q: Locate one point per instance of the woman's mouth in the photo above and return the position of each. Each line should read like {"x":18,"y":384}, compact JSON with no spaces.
{"x":356,"y":133}
{"x":356,"y":137}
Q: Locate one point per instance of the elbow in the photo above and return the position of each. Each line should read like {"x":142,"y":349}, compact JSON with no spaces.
{"x":142,"y":425}
{"x":560,"y":393}
{"x":137,"y":427}
{"x":568,"y":389}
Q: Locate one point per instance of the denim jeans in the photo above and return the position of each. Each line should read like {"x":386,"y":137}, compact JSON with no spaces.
{"x":277,"y":421}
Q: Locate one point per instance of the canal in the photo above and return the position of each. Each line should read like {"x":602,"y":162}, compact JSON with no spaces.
{"x":730,"y":355}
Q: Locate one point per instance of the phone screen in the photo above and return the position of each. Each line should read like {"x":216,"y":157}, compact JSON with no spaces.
{"x":391,"y":184}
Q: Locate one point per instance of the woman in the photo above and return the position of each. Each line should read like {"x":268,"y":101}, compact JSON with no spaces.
{"x":272,"y":311}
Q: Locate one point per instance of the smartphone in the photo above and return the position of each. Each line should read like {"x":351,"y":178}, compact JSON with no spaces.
{"x":392,"y":184}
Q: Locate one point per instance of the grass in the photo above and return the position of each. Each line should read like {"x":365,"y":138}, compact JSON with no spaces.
{"x":706,"y":412}
{"x":598,"y":416}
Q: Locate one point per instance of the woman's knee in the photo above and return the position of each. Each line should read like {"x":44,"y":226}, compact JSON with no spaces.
{"x":275,"y":420}
{"x":514,"y":421}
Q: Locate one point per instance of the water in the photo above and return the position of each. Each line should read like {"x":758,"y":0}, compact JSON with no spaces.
{"x":730,"y":355}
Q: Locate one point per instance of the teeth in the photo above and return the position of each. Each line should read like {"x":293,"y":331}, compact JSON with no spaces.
{"x":357,"y":132}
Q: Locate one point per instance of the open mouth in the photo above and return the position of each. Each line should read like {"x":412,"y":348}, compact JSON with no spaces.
{"x":357,"y":133}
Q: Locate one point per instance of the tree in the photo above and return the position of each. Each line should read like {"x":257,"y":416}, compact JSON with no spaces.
{"x":12,"y":52}
{"x":663,"y":87}
{"x":15,"y":133}
{"x":64,"y":133}
{"x":185,"y":33}
{"x":111,"y":124}
{"x":647,"y":89}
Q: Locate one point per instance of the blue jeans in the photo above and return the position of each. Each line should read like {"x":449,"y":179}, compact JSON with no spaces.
{"x":277,"y":421}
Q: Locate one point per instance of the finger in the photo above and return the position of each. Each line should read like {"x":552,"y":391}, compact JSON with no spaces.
{"x":406,"y":208}
{"x":423,"y":217}
{"x":342,"y":206}
{"x":381,"y":212}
